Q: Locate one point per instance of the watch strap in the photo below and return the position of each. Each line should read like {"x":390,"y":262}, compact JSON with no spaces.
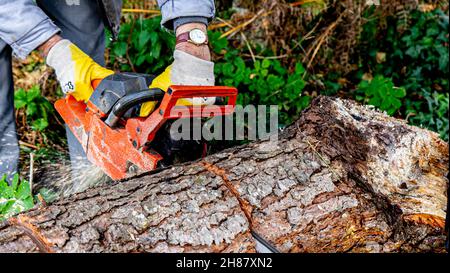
{"x":184,"y":37}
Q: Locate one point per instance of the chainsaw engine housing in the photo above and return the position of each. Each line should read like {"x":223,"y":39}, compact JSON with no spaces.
{"x":123,"y":145}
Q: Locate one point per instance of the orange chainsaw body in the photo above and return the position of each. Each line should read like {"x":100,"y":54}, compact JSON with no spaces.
{"x":123,"y":151}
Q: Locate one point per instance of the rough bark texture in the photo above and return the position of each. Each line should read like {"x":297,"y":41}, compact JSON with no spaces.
{"x":344,"y":178}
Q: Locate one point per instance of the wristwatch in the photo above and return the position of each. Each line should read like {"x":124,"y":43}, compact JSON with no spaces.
{"x":194,"y":36}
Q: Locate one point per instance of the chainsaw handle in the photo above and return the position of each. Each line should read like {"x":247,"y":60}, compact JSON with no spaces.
{"x":131,"y":100}
{"x":177,"y":92}
{"x":143,"y":130}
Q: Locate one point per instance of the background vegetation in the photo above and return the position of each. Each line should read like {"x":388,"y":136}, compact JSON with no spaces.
{"x":393,"y":55}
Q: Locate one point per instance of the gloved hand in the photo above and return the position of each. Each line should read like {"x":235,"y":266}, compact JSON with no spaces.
{"x":75,"y":70}
{"x":185,"y":70}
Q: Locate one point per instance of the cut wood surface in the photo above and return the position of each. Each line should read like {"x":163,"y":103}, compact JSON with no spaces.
{"x":343,"y":178}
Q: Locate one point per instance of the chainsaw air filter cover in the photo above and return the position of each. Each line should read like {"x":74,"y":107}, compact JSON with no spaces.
{"x":116,"y":86}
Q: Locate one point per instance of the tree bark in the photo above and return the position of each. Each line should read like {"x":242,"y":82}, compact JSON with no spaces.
{"x":343,"y":178}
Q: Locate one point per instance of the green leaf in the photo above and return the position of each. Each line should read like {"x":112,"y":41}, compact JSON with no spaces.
{"x":46,"y":105}
{"x":303,"y":102}
{"x":391,"y":111}
{"x":264,"y":72}
{"x":154,"y":37}
{"x":15,"y":198}
{"x":299,"y":69}
{"x":375,"y":101}
{"x":156,"y":50}
{"x":43,"y":111}
{"x":17,"y":207}
{"x":39,"y":124}
{"x":427,"y":41}
{"x":144,"y":37}
{"x":443,"y":57}
{"x":399,"y":92}
{"x":363,"y":84}
{"x":396,"y":103}
{"x":218,"y":68}
{"x":23,"y":191}
{"x":275,"y":82}
{"x":5,"y":190}
{"x":385,"y":103}
{"x":140,"y":60}
{"x":31,"y":109}
{"x":28,"y":203}
{"x":413,"y":52}
{"x":240,"y":64}
{"x":433,"y":31}
{"x":276,"y":66}
{"x":228,"y":69}
{"x":257,"y":66}
{"x":218,"y":44}
{"x":20,"y":98}
{"x":15,"y":182}
{"x":228,"y":82}
{"x":33,"y":93}
{"x":295,"y":83}
{"x":6,"y":208}
{"x":120,"y":48}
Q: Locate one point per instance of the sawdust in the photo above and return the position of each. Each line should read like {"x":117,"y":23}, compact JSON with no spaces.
{"x":65,"y":180}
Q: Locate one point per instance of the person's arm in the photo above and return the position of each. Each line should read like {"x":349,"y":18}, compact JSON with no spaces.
{"x":47,"y":45}
{"x":180,"y":12}
{"x":192,"y":63}
{"x":184,"y":15}
{"x":24,"y":26}
{"x":202,"y":51}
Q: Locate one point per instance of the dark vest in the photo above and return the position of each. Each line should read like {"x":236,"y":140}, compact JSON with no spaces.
{"x":112,"y":10}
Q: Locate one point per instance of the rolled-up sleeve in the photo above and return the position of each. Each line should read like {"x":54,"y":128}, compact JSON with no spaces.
{"x":24,"y":26}
{"x":172,"y":9}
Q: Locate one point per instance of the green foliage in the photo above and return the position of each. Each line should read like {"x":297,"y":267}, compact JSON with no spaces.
{"x":382,"y":93}
{"x":37,"y":107}
{"x":408,"y":61}
{"x":261,"y":82}
{"x":144,"y":45}
{"x":416,"y":59}
{"x":435,"y":115}
{"x":14,"y":198}
{"x":264,"y":82}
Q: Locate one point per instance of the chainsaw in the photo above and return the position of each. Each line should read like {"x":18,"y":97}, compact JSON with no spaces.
{"x":124,"y":145}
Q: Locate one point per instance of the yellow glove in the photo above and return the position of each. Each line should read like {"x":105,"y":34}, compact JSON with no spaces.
{"x":75,"y":70}
{"x":185,"y":70}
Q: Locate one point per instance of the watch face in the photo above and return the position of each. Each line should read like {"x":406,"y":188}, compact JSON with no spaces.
{"x":197,"y":36}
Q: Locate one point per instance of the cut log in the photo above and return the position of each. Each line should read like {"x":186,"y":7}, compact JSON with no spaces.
{"x":343,"y":178}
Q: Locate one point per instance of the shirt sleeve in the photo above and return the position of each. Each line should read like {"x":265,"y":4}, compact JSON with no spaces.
{"x":24,"y":26}
{"x":174,"y":9}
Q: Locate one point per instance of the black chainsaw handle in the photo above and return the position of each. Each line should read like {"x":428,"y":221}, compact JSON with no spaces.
{"x":131,"y":100}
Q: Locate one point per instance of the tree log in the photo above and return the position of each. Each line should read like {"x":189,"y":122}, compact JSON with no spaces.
{"x":343,"y":178}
